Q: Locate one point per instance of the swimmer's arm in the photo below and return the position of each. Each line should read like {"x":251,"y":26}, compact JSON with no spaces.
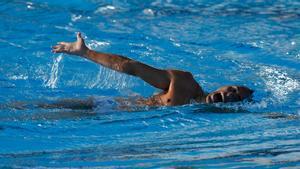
{"x":155,"y":77}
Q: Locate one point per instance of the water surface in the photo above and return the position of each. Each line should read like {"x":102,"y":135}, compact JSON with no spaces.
{"x":251,"y":43}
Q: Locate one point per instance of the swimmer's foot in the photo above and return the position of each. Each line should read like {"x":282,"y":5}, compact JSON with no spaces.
{"x":74,"y":48}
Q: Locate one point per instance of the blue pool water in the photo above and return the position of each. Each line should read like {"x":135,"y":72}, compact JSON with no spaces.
{"x":252,"y":43}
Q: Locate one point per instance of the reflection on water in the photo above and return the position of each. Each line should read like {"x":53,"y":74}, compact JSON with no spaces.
{"x":251,"y":43}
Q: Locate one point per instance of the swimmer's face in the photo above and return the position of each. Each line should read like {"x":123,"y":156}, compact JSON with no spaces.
{"x":229,"y":94}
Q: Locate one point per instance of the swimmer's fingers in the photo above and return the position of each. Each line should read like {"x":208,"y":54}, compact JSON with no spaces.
{"x":58,"y":49}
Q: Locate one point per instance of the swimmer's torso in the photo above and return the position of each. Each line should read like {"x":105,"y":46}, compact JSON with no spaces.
{"x":178,"y":92}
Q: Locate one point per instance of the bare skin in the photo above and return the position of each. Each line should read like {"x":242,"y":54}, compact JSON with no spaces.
{"x":178,"y":87}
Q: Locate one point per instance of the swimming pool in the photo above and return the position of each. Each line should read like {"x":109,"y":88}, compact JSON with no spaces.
{"x":252,"y":43}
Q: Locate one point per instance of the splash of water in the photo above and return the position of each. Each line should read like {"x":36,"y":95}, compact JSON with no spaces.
{"x":279,"y":82}
{"x":108,"y":79}
{"x":52,"y":81}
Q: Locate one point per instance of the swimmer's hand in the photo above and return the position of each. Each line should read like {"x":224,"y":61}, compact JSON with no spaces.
{"x":73,"y":48}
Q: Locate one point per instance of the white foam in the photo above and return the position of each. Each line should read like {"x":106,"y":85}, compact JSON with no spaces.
{"x":67,"y":28}
{"x":298,"y":56}
{"x":148,"y":11}
{"x":52,"y":81}
{"x":75,"y":18}
{"x":18,"y":77}
{"x":278,"y":82}
{"x":30,"y":5}
{"x":105,"y":9}
{"x":12,"y":44}
{"x":97,"y":44}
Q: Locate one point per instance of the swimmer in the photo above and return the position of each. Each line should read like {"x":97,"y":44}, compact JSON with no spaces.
{"x":178,"y":87}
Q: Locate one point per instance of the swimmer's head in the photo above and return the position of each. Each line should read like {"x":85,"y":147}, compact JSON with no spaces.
{"x":229,"y":94}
